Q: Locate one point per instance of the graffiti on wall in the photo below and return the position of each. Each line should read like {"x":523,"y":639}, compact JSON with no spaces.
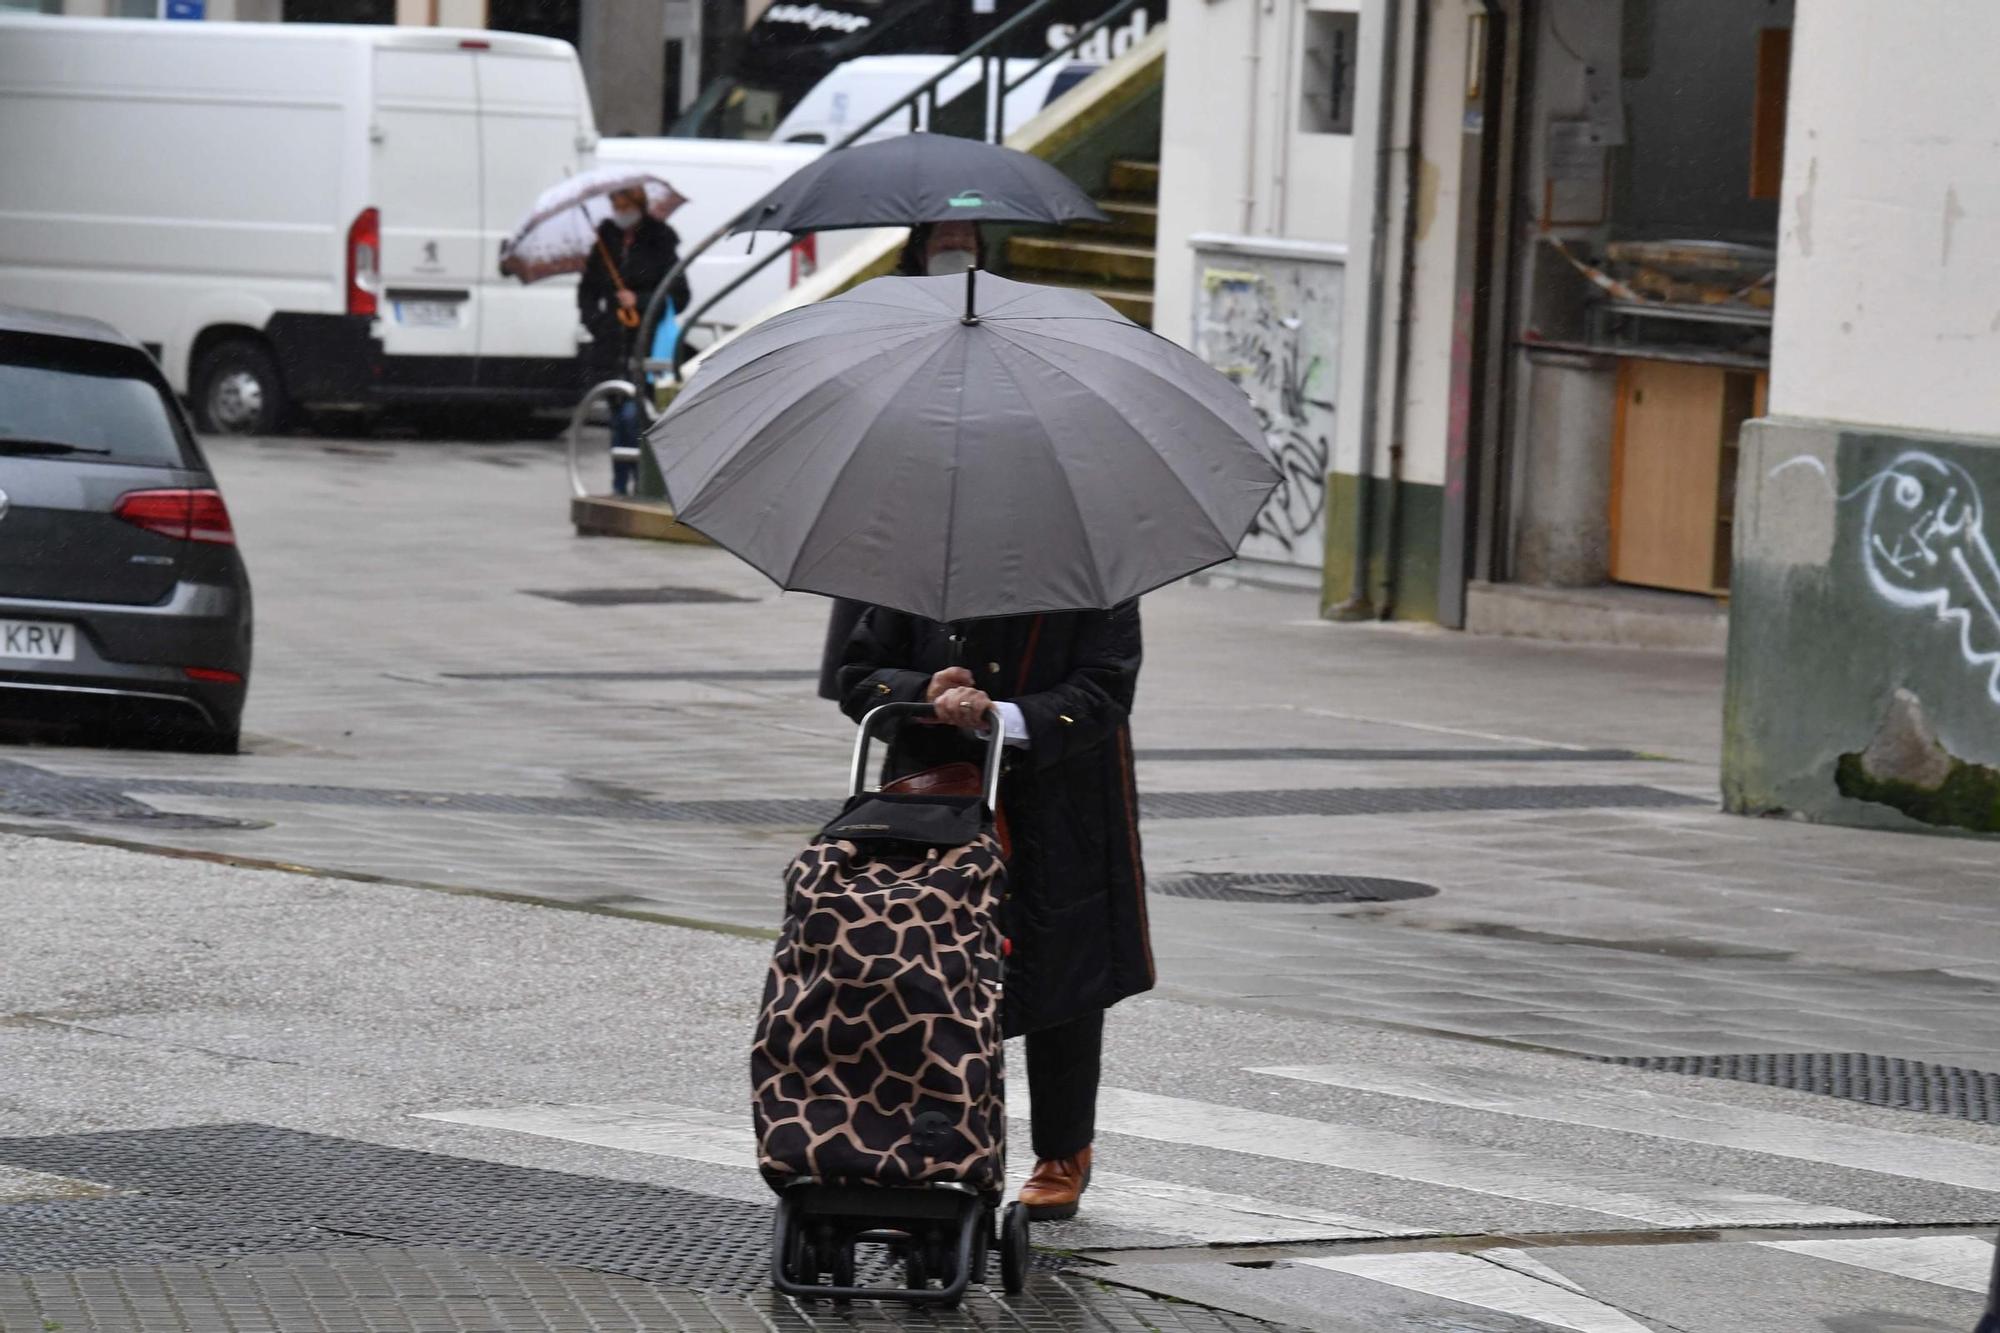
{"x":1924,"y":547}
{"x":1273,"y":325}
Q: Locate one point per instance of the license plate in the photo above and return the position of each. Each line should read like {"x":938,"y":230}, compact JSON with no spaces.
{"x":427,"y":314}
{"x":37,"y":640}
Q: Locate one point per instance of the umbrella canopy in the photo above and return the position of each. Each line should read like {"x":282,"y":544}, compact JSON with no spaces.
{"x":916,"y":178}
{"x":560,"y":230}
{"x":1042,"y":454}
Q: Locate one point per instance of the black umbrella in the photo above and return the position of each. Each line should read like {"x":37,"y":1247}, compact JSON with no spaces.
{"x":916,"y":178}
{"x":896,"y":447}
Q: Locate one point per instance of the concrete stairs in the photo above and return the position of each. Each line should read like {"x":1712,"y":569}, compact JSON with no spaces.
{"x":1112,"y":261}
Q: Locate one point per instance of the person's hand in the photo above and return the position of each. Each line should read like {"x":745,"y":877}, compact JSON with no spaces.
{"x":627,"y":300}
{"x":958,"y":701}
{"x":965,"y":706}
{"x":950,"y":678}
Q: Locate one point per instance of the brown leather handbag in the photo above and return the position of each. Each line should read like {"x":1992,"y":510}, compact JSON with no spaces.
{"x":955,"y":779}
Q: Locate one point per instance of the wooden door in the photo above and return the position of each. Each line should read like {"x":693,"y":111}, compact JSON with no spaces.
{"x":1676,"y":426}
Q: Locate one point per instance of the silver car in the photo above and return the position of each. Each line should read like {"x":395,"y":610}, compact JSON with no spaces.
{"x":123,"y":598}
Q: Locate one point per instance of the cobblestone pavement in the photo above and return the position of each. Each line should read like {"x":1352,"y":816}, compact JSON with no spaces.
{"x":423,"y":713}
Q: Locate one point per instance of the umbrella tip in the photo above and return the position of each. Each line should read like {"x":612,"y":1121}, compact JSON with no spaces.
{"x":971,"y":276}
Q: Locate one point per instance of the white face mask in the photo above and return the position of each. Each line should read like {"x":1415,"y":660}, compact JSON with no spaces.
{"x":626,"y":218}
{"x":950,"y":261}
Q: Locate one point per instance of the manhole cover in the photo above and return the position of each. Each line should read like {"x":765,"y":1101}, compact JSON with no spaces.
{"x":632,"y":596}
{"x":1283,"y":888}
{"x":1878,"y":1080}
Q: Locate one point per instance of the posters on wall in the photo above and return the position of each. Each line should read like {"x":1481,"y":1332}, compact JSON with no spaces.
{"x":1267,"y":314}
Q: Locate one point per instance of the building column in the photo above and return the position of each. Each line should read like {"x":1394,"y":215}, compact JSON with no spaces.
{"x":623,"y":49}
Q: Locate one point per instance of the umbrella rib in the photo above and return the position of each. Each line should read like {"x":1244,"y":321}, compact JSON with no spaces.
{"x":1200,"y":500}
{"x":1049,"y":446}
{"x":792,"y":571}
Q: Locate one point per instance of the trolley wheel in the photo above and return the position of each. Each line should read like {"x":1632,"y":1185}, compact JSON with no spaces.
{"x":982,"y":1243}
{"x":1014,"y":1249}
{"x":845,"y":1265}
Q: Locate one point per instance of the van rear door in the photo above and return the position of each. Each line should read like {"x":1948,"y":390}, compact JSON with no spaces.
{"x":426,"y":158}
{"x":536,"y":130}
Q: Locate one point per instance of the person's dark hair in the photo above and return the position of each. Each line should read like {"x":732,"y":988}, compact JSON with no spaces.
{"x":911,"y":263}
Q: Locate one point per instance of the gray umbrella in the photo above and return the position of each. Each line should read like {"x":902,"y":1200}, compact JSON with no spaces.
{"x":916,"y":178}
{"x":892,"y":446}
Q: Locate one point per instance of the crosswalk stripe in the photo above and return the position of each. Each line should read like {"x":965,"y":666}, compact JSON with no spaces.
{"x":721,"y":1138}
{"x":1662,"y":1200}
{"x":1503,"y":1281}
{"x":1667,"y":1116}
{"x":659,"y":1128}
{"x":1964,"y":1262}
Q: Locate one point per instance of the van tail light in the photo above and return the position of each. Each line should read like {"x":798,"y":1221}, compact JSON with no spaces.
{"x":364,"y":262}
{"x":213,"y":675}
{"x":805,"y":259}
{"x":189,"y":516}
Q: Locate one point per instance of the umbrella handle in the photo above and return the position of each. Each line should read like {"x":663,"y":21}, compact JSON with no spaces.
{"x":628,"y":316}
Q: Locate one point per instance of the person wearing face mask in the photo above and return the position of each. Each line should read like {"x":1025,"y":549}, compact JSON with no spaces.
{"x":935,"y":249}
{"x":635,"y":251}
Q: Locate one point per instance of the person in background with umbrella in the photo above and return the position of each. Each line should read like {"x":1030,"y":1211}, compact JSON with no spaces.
{"x":634,"y":253}
{"x":934,"y":249}
{"x":1075,"y":910}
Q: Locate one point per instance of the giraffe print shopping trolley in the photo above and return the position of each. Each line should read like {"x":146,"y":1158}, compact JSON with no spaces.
{"x":876,"y":1073}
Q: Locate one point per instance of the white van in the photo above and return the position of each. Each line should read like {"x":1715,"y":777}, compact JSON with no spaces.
{"x":293,"y":214}
{"x":858,"y":90}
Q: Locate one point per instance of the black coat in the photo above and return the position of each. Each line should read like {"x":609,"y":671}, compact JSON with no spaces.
{"x":1076,"y":885}
{"x":644,"y":256}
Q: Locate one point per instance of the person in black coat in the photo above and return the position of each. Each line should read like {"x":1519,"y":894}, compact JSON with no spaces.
{"x":933,"y":248}
{"x":1075,"y":910}
{"x":634,"y":253}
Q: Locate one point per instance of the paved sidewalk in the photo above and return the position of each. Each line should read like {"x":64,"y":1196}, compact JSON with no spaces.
{"x":420,"y":714}
{"x":1363,"y":1112}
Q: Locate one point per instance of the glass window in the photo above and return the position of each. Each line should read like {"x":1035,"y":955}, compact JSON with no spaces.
{"x":89,"y":405}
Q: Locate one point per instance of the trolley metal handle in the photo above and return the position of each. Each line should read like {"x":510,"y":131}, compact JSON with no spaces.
{"x":996,"y":745}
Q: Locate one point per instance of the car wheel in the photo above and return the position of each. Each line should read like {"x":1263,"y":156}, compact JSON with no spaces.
{"x":237,"y":390}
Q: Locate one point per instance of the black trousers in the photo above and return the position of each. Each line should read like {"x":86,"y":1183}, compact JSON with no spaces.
{"x":1064,"y":1063}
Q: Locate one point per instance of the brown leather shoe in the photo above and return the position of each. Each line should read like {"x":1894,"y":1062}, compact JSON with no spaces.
{"x":1055,"y":1185}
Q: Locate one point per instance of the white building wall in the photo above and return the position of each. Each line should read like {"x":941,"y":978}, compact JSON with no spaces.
{"x":1889,"y":247}
{"x":1234,"y":157}
{"x":1428,"y":392}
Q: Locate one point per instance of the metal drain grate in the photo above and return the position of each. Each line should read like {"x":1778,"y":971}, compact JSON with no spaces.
{"x":36,"y":793}
{"x":1372,"y":754}
{"x":213,"y":1190}
{"x":1879,"y":1080}
{"x":1283,"y":888}
{"x":435,"y":1289}
{"x":633,"y":596}
{"x":1334,"y":801}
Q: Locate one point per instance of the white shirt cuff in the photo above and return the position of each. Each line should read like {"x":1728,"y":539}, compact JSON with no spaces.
{"x":1013,"y":725}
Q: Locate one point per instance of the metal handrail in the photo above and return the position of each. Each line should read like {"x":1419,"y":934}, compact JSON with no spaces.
{"x":996,"y":112}
{"x":607,"y":389}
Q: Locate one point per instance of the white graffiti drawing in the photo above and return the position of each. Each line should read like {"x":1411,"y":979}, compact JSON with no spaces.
{"x":1274,"y":329}
{"x":1924,"y":547}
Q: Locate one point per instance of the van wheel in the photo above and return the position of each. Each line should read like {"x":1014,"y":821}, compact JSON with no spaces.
{"x":237,"y":390}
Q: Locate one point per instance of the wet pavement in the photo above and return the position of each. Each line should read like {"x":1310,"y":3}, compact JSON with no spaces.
{"x":1374,"y":1112}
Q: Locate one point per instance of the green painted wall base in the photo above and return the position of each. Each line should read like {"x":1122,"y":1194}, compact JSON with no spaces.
{"x":1864,"y":629}
{"x":1419,"y":524}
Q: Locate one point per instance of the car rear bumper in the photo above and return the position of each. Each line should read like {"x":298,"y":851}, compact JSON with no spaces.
{"x":138,"y":655}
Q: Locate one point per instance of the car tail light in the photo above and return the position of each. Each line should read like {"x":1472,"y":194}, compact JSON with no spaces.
{"x":805,"y":259}
{"x":214,"y":675}
{"x":190,"y":516}
{"x":364,"y":262}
